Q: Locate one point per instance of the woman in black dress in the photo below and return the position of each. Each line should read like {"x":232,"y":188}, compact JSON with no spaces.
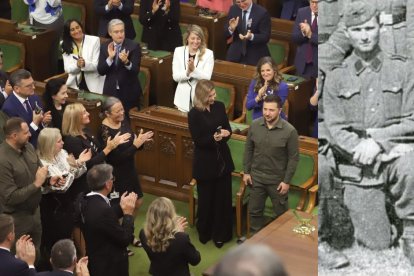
{"x":54,"y":97}
{"x":212,"y":165}
{"x":122,"y":158}
{"x":167,"y":245}
{"x":160,"y":20}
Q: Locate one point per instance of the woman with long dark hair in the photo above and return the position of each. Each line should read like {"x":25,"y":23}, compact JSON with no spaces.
{"x":80,"y":58}
{"x":54,"y":98}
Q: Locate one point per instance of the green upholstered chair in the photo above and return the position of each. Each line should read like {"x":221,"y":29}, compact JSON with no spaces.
{"x":74,"y":11}
{"x":279,"y":51}
{"x":19,"y":10}
{"x":3,"y":120}
{"x":13,"y":55}
{"x":240,"y":195}
{"x":226,"y":93}
{"x":144,"y":76}
{"x":303,"y":180}
{"x":184,"y":27}
{"x":138,"y":28}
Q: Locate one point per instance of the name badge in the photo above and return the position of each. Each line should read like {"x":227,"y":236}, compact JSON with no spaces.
{"x":114,"y":195}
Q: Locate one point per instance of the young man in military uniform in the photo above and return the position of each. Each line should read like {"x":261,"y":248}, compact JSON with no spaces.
{"x":371,"y":113}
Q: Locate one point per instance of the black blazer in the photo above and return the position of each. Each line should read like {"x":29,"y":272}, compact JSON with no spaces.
{"x":11,"y":266}
{"x":174,"y":261}
{"x":161,"y":31}
{"x":55,"y":273}
{"x":106,"y":240}
{"x":260,"y":27}
{"x":3,"y":79}
{"x":211,"y":159}
{"x":124,"y":15}
{"x":129,"y":86}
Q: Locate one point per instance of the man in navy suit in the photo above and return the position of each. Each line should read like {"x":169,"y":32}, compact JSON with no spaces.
{"x":63,"y":259}
{"x":23,"y":263}
{"x":23,"y":103}
{"x":305,"y":35}
{"x":247,"y":32}
{"x":115,"y":9}
{"x":119,"y":61}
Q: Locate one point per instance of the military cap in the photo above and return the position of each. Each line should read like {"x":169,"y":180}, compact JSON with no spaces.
{"x":358,"y":13}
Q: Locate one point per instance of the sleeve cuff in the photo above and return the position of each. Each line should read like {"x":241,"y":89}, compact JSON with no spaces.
{"x":34,"y":126}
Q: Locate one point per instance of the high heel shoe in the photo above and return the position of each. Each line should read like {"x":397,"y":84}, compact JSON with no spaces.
{"x":218,"y":244}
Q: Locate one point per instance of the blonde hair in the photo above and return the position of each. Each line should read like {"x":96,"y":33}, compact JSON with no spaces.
{"x":72,"y":120}
{"x":198,"y":32}
{"x":46,"y":143}
{"x":160,"y":224}
{"x":201,"y":94}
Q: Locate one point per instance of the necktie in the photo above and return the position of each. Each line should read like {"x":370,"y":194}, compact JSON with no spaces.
{"x":27,"y":106}
{"x":117,"y":48}
{"x":314,"y":29}
{"x":244,"y":31}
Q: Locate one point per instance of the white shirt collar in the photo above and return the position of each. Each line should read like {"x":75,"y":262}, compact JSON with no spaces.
{"x":20,"y":98}
{"x":101,"y":195}
{"x":5,"y":248}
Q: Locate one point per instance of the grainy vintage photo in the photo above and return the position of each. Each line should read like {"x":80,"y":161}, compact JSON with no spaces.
{"x":366,"y":127}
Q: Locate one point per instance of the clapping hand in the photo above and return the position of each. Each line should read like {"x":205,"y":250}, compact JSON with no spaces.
{"x":156,"y":5}
{"x":123,"y":56}
{"x":25,"y":249}
{"x":143,"y":138}
{"x":80,"y":62}
{"x":47,"y":118}
{"x":111,"y":50}
{"x":127,"y":203}
{"x":305,"y":28}
{"x":118,"y":139}
{"x":82,"y":267}
{"x":248,"y":36}
{"x":190,"y":65}
{"x":85,"y":155}
{"x":181,"y":223}
{"x":233,"y":22}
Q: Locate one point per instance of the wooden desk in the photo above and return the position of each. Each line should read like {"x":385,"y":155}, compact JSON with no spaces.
{"x":165,"y":165}
{"x":91,"y":101}
{"x":299,"y":253}
{"x":38,"y":47}
{"x":241,"y":75}
{"x":161,"y":84}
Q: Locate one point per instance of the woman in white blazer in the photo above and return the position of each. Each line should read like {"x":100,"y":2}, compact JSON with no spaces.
{"x":80,"y":58}
{"x":191,"y":63}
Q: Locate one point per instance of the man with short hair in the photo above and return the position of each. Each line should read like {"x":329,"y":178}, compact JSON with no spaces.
{"x":24,"y":103}
{"x":250,"y":259}
{"x":248,"y":32}
{"x":120,"y":61}
{"x":370,"y":115}
{"x":21,"y":179}
{"x":63,"y":259}
{"x":270,"y":159}
{"x":106,"y":240}
{"x":23,"y":265}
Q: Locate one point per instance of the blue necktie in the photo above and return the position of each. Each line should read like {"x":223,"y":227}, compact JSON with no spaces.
{"x":117,"y":48}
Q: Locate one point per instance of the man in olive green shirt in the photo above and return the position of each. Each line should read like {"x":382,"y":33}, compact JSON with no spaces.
{"x":21,"y":178}
{"x":270,"y":159}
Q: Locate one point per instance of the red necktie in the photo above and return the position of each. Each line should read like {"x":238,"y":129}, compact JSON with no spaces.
{"x":309,"y":51}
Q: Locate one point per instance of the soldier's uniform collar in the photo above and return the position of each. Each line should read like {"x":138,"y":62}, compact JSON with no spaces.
{"x":375,"y":64}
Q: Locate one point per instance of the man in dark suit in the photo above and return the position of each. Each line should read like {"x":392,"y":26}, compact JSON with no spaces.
{"x":119,"y":61}
{"x":24,"y":103}
{"x":5,"y":87}
{"x":115,"y":9}
{"x":23,"y":263}
{"x":305,"y":35}
{"x":106,"y":240}
{"x":5,"y":9}
{"x":63,"y":260}
{"x":247,"y":32}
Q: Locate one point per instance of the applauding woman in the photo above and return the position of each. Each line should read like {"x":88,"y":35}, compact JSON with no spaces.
{"x":160,"y":20}
{"x":191,"y":63}
{"x":212,"y":165}
{"x":54,"y":97}
{"x":167,"y":245}
{"x":267,"y":81}
{"x":80,"y":58}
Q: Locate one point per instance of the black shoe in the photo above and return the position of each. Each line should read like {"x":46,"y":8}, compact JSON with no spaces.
{"x":203,"y":240}
{"x":331,"y":258}
{"x":130,"y":252}
{"x":218,"y":244}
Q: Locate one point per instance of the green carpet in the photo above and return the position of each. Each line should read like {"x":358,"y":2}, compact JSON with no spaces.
{"x":139,"y":263}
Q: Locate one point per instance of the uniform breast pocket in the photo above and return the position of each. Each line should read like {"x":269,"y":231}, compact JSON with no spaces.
{"x":350,"y":98}
{"x":392,"y":95}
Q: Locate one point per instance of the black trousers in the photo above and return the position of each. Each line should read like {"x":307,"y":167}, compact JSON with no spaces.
{"x":214,"y":209}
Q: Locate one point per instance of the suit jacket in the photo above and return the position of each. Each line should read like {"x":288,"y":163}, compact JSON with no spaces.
{"x":5,"y":9}
{"x":161,"y":31}
{"x":14,"y":108}
{"x":90,"y":53}
{"x":202,"y":125}
{"x":3,"y":79}
{"x":303,"y":45}
{"x":260,"y":26}
{"x":106,"y":240}
{"x":129,"y":86}
{"x":174,"y":261}
{"x":186,"y":84}
{"x":55,"y":273}
{"x":11,"y":266}
{"x":2,"y":100}
{"x":124,"y":15}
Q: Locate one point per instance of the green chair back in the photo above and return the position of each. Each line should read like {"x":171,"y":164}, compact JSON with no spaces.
{"x":237,"y":152}
{"x":304,"y":170}
{"x":19,"y":10}
{"x":279,"y":51}
{"x":138,"y":28}
{"x":74,"y":11}
{"x":249,"y":116}
{"x":13,"y":55}
{"x":223,"y":95}
{"x":142,"y":79}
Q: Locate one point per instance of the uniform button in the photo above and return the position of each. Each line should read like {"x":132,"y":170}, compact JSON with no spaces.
{"x":370,"y":90}
{"x":395,"y":89}
{"x":372,"y":109}
{"x":149,"y":28}
{"x":348,"y":94}
{"x":169,"y":28}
